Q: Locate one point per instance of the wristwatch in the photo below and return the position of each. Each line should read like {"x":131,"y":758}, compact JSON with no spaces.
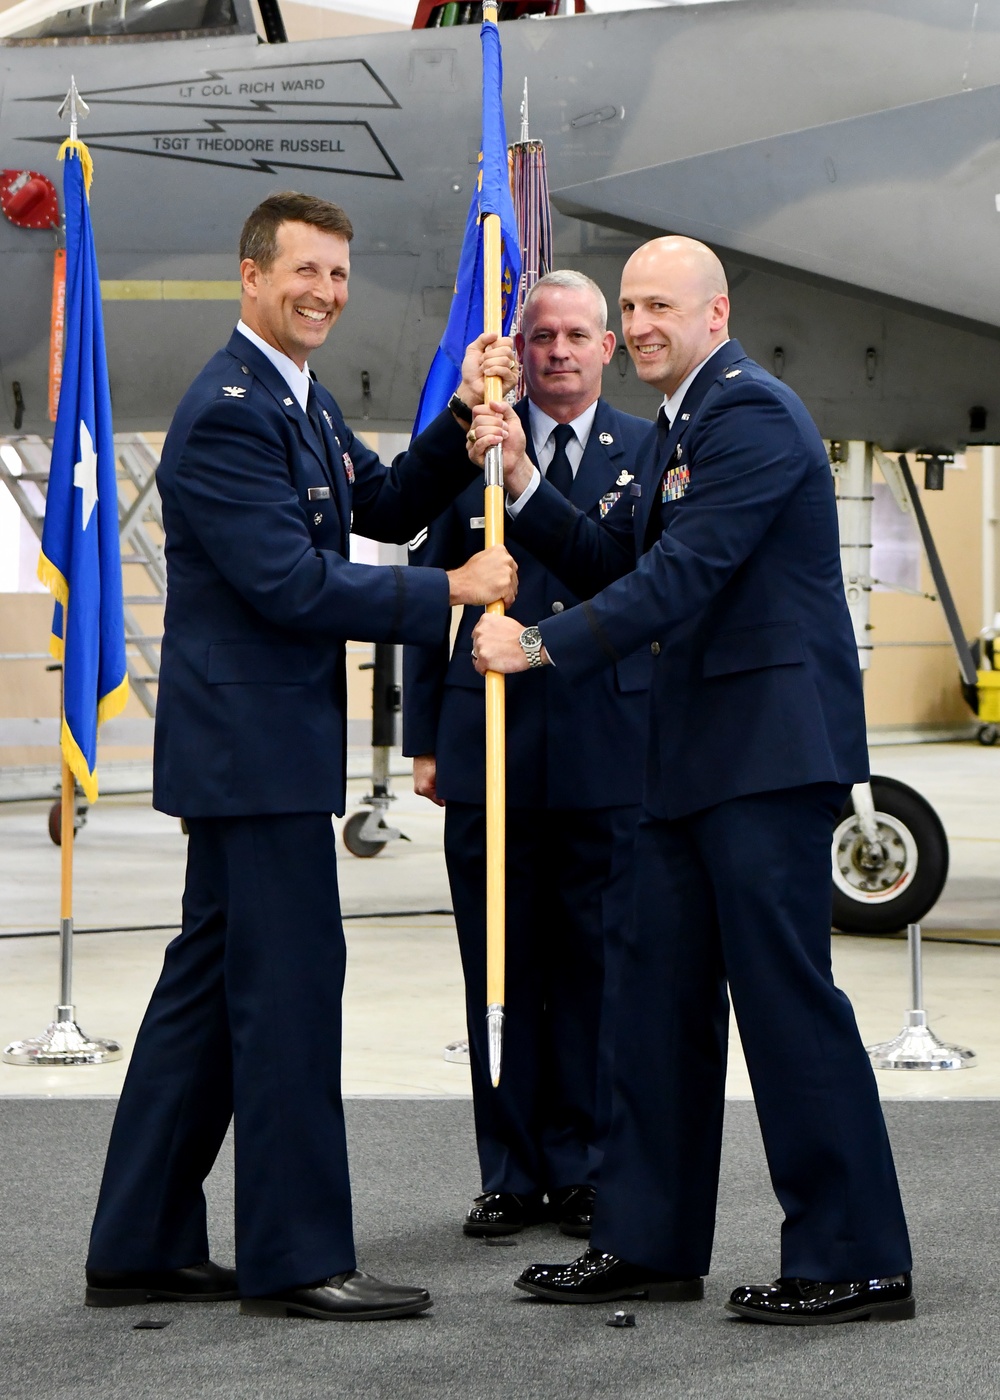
{"x":460,"y":409}
{"x":531,"y":645}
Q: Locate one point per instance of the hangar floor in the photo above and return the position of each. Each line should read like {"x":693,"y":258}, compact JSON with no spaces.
{"x":413,"y":1163}
{"x":403,"y":1001}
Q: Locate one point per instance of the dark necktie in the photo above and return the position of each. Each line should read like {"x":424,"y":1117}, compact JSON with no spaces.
{"x":662,"y":429}
{"x":560,"y":473}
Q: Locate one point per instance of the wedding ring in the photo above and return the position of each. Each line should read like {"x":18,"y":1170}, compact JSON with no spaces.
{"x":470,"y":437}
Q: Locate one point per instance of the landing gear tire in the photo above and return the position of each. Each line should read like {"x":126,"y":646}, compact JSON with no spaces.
{"x":883,"y":887}
{"x":357,"y":844}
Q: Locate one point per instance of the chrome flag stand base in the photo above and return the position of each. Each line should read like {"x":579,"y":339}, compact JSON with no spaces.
{"x":916,"y":1046}
{"x":456,"y":1052}
{"x":62,"y":1043}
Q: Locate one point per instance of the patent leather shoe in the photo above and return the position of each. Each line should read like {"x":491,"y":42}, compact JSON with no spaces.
{"x":811,"y":1302}
{"x":597,"y":1277}
{"x":200,"y":1283}
{"x":502,"y":1213}
{"x":572,"y":1208}
{"x":348,"y":1297}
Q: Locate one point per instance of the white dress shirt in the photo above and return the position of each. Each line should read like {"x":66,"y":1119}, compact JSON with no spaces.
{"x":672,"y":405}
{"x":298,"y":380}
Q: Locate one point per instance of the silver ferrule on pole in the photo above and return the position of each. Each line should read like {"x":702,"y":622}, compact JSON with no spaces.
{"x":493,"y":466}
{"x":65,"y":966}
{"x":494,"y":1034}
{"x":916,"y":969}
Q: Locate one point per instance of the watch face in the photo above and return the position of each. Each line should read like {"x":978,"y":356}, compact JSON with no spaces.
{"x":531,"y":637}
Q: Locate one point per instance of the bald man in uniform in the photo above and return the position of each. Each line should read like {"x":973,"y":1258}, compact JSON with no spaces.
{"x":725,"y":562}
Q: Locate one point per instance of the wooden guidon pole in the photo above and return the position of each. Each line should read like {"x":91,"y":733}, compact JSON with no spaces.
{"x":496,"y":774}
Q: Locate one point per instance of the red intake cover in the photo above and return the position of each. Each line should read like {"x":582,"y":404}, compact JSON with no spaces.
{"x":28,"y":199}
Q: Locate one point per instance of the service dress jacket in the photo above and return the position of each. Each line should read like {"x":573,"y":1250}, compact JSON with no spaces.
{"x":725,"y":563}
{"x":569,"y":745}
{"x":258,"y":504}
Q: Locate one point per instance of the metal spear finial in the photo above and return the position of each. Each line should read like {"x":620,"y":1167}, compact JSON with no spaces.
{"x":74,"y":105}
{"x":524,"y":112}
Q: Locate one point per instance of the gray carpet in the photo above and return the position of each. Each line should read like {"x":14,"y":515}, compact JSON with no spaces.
{"x":414,"y":1170}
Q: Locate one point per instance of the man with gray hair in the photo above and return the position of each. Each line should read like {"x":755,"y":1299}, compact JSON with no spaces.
{"x":575,"y":759}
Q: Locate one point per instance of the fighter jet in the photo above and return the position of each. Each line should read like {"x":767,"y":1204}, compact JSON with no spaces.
{"x":843,"y":157}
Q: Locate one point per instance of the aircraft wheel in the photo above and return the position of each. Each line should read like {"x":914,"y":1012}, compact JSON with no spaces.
{"x":988,"y":734}
{"x":882,"y":888}
{"x":357,"y":844}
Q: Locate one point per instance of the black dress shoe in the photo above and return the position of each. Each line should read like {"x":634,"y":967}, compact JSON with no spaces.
{"x":200,"y":1283}
{"x":503,"y":1213}
{"x":601,"y":1278}
{"x":350,"y":1297}
{"x":809,"y":1302}
{"x":572,"y":1208}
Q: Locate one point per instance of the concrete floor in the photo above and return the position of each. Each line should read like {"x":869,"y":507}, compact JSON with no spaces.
{"x":404,"y":992}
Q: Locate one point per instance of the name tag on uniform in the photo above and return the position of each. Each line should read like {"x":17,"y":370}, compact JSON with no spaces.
{"x":477,"y":522}
{"x":319,"y":493}
{"x":675,"y":483}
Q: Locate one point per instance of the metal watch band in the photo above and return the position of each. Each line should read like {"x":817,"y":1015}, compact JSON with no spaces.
{"x":531,"y":644}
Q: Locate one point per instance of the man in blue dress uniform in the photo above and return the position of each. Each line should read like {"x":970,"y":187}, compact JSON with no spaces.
{"x":574,"y":781}
{"x":725,"y":563}
{"x":259,"y":478}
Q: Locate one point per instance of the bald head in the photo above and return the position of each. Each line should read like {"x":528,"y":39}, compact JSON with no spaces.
{"x":675,"y":309}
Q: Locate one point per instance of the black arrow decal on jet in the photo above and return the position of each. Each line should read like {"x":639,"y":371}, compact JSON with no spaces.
{"x":328,"y":147}
{"x":338,"y":82}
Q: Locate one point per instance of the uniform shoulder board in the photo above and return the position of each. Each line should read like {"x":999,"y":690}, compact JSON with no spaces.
{"x":418,"y":539}
{"x":732,"y":373}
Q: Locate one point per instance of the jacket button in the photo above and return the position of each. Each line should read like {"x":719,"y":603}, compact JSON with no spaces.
{"x":654,"y":648}
{"x":558,"y":607}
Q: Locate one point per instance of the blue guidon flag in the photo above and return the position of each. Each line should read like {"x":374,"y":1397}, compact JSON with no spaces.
{"x":491,"y":195}
{"x":80,"y":561}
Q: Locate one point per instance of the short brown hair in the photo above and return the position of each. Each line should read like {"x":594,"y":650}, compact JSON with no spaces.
{"x":259,"y":239}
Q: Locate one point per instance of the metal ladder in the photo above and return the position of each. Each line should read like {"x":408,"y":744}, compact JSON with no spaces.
{"x":140,"y":530}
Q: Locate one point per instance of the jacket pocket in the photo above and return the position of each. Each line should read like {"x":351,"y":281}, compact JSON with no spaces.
{"x":260,"y":663}
{"x":754,"y":648}
{"x":635,"y":672}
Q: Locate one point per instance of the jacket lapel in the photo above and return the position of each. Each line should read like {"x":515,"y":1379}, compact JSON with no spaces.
{"x":521,"y":409}
{"x":602,"y":463}
{"x":334,"y":451}
{"x":658,"y":461}
{"x":262,"y":368}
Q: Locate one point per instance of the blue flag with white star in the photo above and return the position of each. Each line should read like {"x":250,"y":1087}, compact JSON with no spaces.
{"x":80,"y":561}
{"x":491,"y":195}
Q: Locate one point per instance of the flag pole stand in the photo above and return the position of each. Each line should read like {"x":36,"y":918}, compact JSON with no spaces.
{"x":916,"y":1046}
{"x":63,"y":1042}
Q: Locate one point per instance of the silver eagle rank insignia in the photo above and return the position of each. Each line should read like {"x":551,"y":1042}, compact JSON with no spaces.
{"x":233,"y":391}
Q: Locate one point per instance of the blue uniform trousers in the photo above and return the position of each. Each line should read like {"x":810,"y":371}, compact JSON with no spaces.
{"x":244,"y":1023}
{"x":568,"y":895}
{"x":740,"y":893}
